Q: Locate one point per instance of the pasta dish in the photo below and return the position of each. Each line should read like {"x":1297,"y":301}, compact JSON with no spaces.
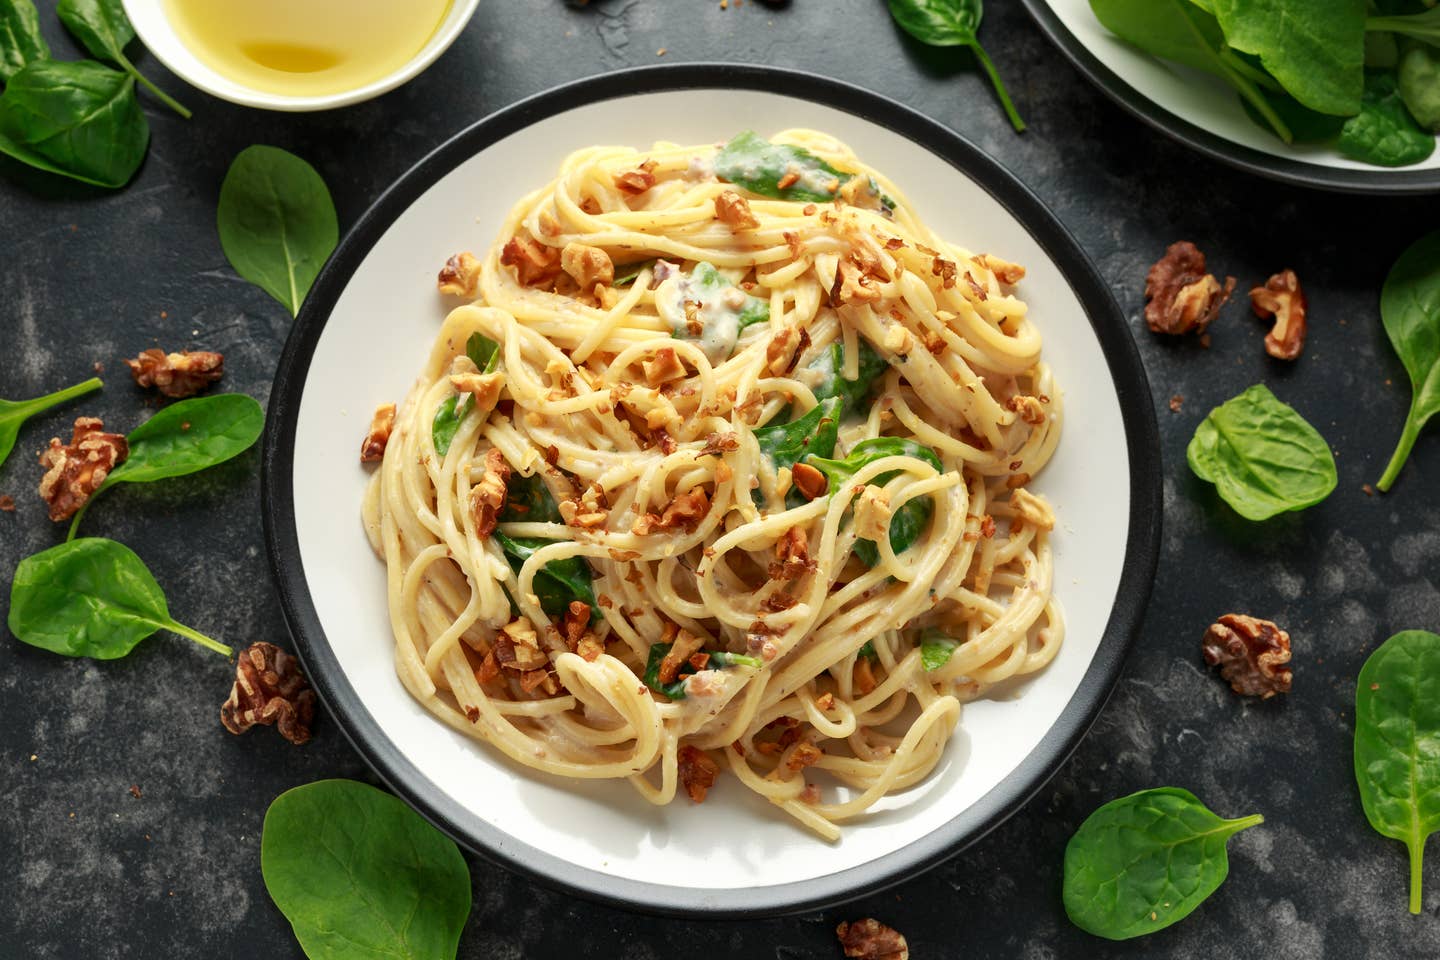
{"x":722,"y":467}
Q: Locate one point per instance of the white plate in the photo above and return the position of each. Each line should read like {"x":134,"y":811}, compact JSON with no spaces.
{"x":1204,"y":112}
{"x":363,"y":336}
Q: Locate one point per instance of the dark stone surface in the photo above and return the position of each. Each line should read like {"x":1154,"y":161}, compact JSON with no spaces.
{"x":91,"y":871}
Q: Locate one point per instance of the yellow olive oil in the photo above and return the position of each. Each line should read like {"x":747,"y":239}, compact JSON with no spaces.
{"x":305,"y":48}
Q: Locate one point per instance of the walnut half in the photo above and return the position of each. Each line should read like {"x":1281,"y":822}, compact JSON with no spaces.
{"x":269,"y":688}
{"x":177,"y":374}
{"x":1180,"y":296}
{"x":870,"y":939}
{"x":1282,"y":298}
{"x":1251,"y":654}
{"x":74,"y":471}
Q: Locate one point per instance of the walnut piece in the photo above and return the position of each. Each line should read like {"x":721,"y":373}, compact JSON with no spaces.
{"x":780,"y":351}
{"x":460,"y":276}
{"x":1005,"y":271}
{"x":792,"y":555}
{"x":734,"y":211}
{"x":74,"y":471}
{"x":870,"y":939}
{"x":637,"y":181}
{"x":685,"y":646}
{"x":587,"y":265}
{"x":851,"y":286}
{"x":1251,"y":654}
{"x":1180,"y":296}
{"x":1282,"y":298}
{"x":697,"y":772}
{"x":487,"y":498}
{"x":685,"y":511}
{"x":372,"y":448}
{"x":269,"y":689}
{"x":666,"y":366}
{"x":1031,"y":509}
{"x":808,"y":480}
{"x":872,"y":513}
{"x":177,"y":374}
{"x":534,"y":263}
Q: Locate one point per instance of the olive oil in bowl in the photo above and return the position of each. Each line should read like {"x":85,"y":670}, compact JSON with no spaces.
{"x":305,"y":48}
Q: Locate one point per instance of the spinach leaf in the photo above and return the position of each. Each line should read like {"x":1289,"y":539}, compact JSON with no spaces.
{"x":953,"y":23}
{"x":783,"y":444}
{"x":1418,"y":80}
{"x":852,"y":393}
{"x":361,"y":876}
{"x":101,"y":25}
{"x":485,"y":354}
{"x":15,"y":412}
{"x":756,"y":164}
{"x":626,"y":273}
{"x":1397,"y":743}
{"x":1142,"y":862}
{"x":1305,"y":125}
{"x":558,"y":582}
{"x":91,"y":598}
{"x":867,"y":650}
{"x":528,"y":500}
{"x":1410,"y":310}
{"x":184,"y":438}
{"x":907,"y":523}
{"x":77,"y":120}
{"x":1384,"y":133}
{"x":1424,"y":26}
{"x":719,"y":659}
{"x":20,"y":39}
{"x":276,"y":221}
{"x":709,"y":283}
{"x":936,"y":648}
{"x":1262,"y":456}
{"x":1315,"y":48}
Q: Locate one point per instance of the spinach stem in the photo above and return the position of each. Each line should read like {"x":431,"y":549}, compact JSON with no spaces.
{"x":1253,"y":96}
{"x":1402,"y":449}
{"x":1422,"y":26}
{"x":164,"y":97}
{"x":999,"y":86}
{"x":32,"y":407}
{"x":1416,"y":846}
{"x":75,"y":523}
{"x":200,"y":638}
{"x":1258,"y":77}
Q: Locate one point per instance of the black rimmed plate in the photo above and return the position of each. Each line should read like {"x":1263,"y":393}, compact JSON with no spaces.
{"x":362,"y":337}
{"x":1205,"y":114}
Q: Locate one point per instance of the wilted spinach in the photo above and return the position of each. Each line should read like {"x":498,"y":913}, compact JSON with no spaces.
{"x":76,"y":119}
{"x":558,"y":582}
{"x":13,"y":413}
{"x":1262,"y":456}
{"x":20,"y":39}
{"x":1142,"y":862}
{"x":1397,"y":743}
{"x":719,"y":659}
{"x":831,"y":363}
{"x":756,"y":164}
{"x":783,"y":444}
{"x":907,"y":522}
{"x":360,"y":875}
{"x":277,"y":222}
{"x":1410,"y":310}
{"x":953,"y":23}
{"x":101,"y":25}
{"x":528,"y":500}
{"x":91,"y":598}
{"x":936,"y":648}
{"x":1383,"y":132}
{"x":485,"y":354}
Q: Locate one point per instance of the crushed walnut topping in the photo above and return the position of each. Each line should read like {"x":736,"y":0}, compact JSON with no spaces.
{"x":1180,"y":296}
{"x":637,"y":181}
{"x":534,"y":263}
{"x":697,"y":772}
{"x":870,"y":939}
{"x":1005,"y":271}
{"x":587,"y":265}
{"x":665,"y":366}
{"x":734,"y":211}
{"x":487,"y":498}
{"x":517,"y":647}
{"x":1031,"y":410}
{"x":177,"y":375}
{"x":872,"y":514}
{"x":946,"y":270}
{"x":780,"y":351}
{"x":1251,"y":654}
{"x":484,"y":387}
{"x":808,"y":480}
{"x":577,"y":618}
{"x":685,"y":511}
{"x":1282,"y":298}
{"x":1031,"y":509}
{"x":719,"y":443}
{"x":851,"y":286}
{"x":372,"y":448}
{"x":792,"y":555}
{"x":804,"y":755}
{"x":7,"y":503}
{"x":460,"y":276}
{"x":269,"y":689}
{"x":75,"y":470}
{"x":685,"y":646}
{"x":863,"y":677}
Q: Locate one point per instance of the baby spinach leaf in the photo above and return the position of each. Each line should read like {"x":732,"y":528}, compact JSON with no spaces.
{"x":757,"y":165}
{"x":910,"y":520}
{"x":558,"y":582}
{"x":101,"y":25}
{"x":1315,"y":48}
{"x":1397,"y":743}
{"x":1410,"y":310}
{"x":1262,"y":456}
{"x":184,"y":438}
{"x":936,"y":648}
{"x":91,"y":598}
{"x":485,"y":354}
{"x":851,"y":392}
{"x":719,"y":659}
{"x":783,"y":444}
{"x":20,"y":39}
{"x":710,"y":283}
{"x":1418,"y":80}
{"x":77,"y":120}
{"x":626,"y":273}
{"x":1142,"y":862}
{"x":1384,"y":133}
{"x":1305,"y":125}
{"x":15,"y":412}
{"x":361,"y":876}
{"x":528,"y":500}
{"x":277,"y":222}
{"x":953,"y":23}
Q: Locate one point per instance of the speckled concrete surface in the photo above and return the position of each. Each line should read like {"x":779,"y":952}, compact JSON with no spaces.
{"x":94,"y":872}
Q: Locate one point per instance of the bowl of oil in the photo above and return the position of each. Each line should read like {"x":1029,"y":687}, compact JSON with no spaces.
{"x":298,"y":54}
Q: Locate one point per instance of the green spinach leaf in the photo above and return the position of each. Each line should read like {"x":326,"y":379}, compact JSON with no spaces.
{"x":277,"y":222}
{"x":20,"y":39}
{"x":528,"y":500}
{"x":15,"y":412}
{"x":1410,"y":310}
{"x":101,"y":25}
{"x":757,"y":165}
{"x":558,"y":582}
{"x":1142,"y":862}
{"x":485,"y":354}
{"x":1397,"y":743}
{"x":79,"y":120}
{"x":1384,"y":133}
{"x":1315,"y":48}
{"x":626,"y":273}
{"x":184,"y":438}
{"x":910,"y":520}
{"x":91,"y":598}
{"x":1305,"y":125}
{"x":852,"y":393}
{"x":783,"y":444}
{"x":936,"y":648}
{"x":1418,"y":80}
{"x":953,"y":23}
{"x":1262,"y":456}
{"x":719,"y":659}
{"x":361,"y":876}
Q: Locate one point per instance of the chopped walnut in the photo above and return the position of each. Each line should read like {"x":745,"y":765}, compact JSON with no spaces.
{"x":872,"y":513}
{"x":517,"y":647}
{"x":534,"y":263}
{"x":1282,"y":298}
{"x":484,"y":387}
{"x":577,"y":618}
{"x":686,"y":645}
{"x":697,"y":772}
{"x":792,"y":555}
{"x":718,"y":443}
{"x":487,"y":498}
{"x":863,"y":677}
{"x":780,"y":351}
{"x":871,"y":940}
{"x":808,"y":480}
{"x":589,"y":648}
{"x":664,"y":367}
{"x":269,"y":689}
{"x":1031,"y":410}
{"x":460,"y":276}
{"x":946,"y":270}
{"x":75,"y":471}
{"x":1005,"y":271}
{"x":851,"y":286}
{"x":372,"y":448}
{"x":686,"y":511}
{"x":898,"y":340}
{"x":804,"y":755}
{"x":587,"y":265}
{"x":1032,"y":509}
{"x":1180,"y":296}
{"x":7,"y":503}
{"x":734,"y":211}
{"x":177,"y":374}
{"x":637,"y":181}
{"x":1251,"y":654}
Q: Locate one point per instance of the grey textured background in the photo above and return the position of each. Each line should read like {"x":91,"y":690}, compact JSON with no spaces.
{"x":86,"y":276}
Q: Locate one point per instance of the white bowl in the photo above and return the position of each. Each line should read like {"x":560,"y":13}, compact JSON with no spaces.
{"x":158,"y":34}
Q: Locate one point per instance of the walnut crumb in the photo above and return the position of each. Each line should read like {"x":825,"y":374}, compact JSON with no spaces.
{"x":7,"y":503}
{"x":372,"y":448}
{"x":697,"y":772}
{"x":1251,"y":654}
{"x":1176,"y":402}
{"x":460,"y":276}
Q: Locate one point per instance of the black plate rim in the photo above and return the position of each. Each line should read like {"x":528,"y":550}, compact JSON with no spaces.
{"x":1376,"y":181}
{"x":1141,"y":555}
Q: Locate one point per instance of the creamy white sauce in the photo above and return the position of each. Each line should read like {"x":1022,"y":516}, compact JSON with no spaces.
{"x":718,"y":314}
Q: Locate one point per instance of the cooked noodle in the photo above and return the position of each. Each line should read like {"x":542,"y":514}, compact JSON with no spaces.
{"x":639,"y":406}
